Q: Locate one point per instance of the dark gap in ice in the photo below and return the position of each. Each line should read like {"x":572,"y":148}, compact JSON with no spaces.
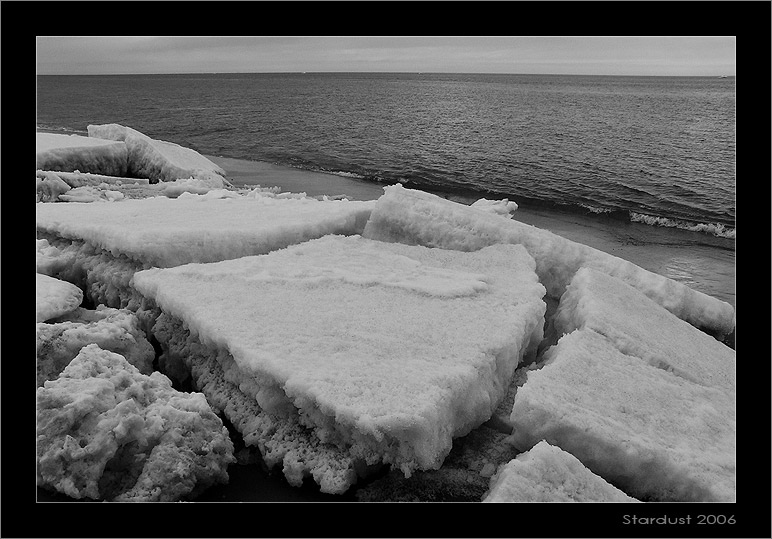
{"x":157,"y":349}
{"x":464,"y":475}
{"x":725,"y":339}
{"x":184,"y":386}
{"x":550,"y":333}
{"x":88,"y":302}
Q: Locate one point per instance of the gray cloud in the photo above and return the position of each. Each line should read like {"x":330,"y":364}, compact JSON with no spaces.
{"x":506,"y":54}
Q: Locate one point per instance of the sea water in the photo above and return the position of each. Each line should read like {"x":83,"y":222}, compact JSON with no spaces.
{"x":642,"y":167}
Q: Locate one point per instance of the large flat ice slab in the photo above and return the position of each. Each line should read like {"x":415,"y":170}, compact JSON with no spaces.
{"x":54,"y":297}
{"x":168,"y":232}
{"x":655,"y":435}
{"x":414,"y":217}
{"x":639,"y":327}
{"x":159,"y":160}
{"x":548,"y":474}
{"x":387,"y":350}
{"x":68,"y":153}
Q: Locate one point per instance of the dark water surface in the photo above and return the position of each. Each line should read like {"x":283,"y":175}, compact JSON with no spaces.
{"x":659,"y":150}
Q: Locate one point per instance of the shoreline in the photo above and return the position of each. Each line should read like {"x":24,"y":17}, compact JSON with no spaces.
{"x":676,"y":254}
{"x":700,"y":261}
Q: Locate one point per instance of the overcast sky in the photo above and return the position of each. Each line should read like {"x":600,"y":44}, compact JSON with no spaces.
{"x":593,"y":55}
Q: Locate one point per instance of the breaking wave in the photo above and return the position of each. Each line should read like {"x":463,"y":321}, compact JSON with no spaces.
{"x":344,"y":174}
{"x":716,"y":229}
{"x":593,"y":209}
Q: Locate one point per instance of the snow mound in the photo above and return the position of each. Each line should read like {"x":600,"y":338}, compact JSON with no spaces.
{"x":58,"y":342}
{"x":502,"y":207}
{"x":54,"y":297}
{"x":387,"y":350}
{"x":415,"y":217}
{"x":107,"y":432}
{"x":69,"y":153}
{"x":50,"y":260}
{"x":548,"y":474}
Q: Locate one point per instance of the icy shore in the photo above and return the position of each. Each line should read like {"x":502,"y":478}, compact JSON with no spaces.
{"x":339,"y":337}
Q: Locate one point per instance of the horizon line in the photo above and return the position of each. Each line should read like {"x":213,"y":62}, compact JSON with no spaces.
{"x":734,"y":75}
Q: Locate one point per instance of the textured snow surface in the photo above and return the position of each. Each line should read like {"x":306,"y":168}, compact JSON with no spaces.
{"x":159,"y":160}
{"x":104,"y":278}
{"x":653,"y":434}
{"x":386,"y":347}
{"x":68,"y":153}
{"x":107,"y":432}
{"x":80,"y":179}
{"x":503,"y":207}
{"x":548,"y":474}
{"x":89,"y":193}
{"x":639,"y":327}
{"x":57,"y":343}
{"x":49,"y":259}
{"x":49,"y":186}
{"x":168,"y":232}
{"x":414,"y":217}
{"x":282,"y":441}
{"x":54,"y":297}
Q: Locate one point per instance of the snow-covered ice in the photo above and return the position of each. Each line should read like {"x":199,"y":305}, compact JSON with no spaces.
{"x":59,"y":341}
{"x":89,"y":193}
{"x":49,"y":186}
{"x":110,"y":241}
{"x":50,"y":260}
{"x":503,"y":207}
{"x":415,"y":217}
{"x":653,"y":434}
{"x":68,"y":153}
{"x":103,"y":277}
{"x":115,"y":150}
{"x":80,"y":179}
{"x":168,"y":232}
{"x":548,"y":474}
{"x":107,"y":432}
{"x":54,"y":297}
{"x":173,"y":189}
{"x":283,"y":442}
{"x":159,"y":160}
{"x":78,"y":187}
{"x":386,"y":350}
{"x":604,"y":304}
